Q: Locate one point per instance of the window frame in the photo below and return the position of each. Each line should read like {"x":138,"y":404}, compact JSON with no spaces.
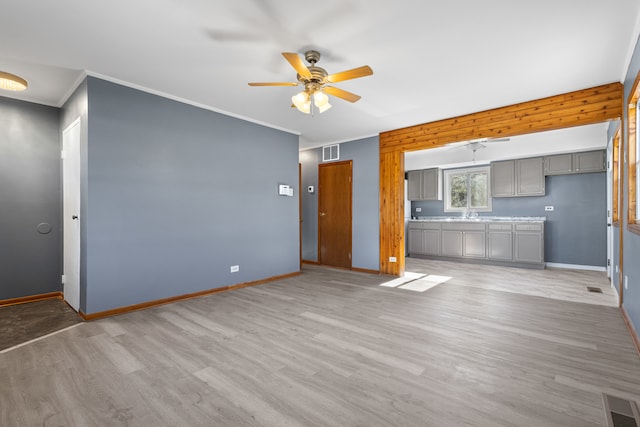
{"x":615,"y":177}
{"x":632,"y":157}
{"x":466,"y":171}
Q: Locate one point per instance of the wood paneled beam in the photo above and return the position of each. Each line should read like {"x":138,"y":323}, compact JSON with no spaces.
{"x":583,"y":107}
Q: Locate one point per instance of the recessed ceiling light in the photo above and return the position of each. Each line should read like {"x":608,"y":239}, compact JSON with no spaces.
{"x":10,"y":81}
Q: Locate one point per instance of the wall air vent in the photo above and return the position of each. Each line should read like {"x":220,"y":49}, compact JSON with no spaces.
{"x":330,"y":152}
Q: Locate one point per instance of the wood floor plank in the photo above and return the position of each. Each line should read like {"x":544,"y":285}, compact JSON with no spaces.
{"x":490,"y":347}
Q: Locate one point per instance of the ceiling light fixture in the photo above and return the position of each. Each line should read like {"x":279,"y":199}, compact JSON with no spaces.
{"x":302,"y":100}
{"x":12,"y":82}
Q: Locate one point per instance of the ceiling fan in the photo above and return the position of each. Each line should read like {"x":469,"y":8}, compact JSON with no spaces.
{"x":316,"y":82}
{"x":477,"y":144}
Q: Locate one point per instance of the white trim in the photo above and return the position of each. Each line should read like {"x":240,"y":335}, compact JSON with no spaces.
{"x":576,"y":266}
{"x":186,"y":101}
{"x":6,"y":350}
{"x":72,"y":89}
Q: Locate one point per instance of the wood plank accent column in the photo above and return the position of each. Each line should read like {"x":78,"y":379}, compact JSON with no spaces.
{"x":583,"y":107}
{"x":392,"y":212}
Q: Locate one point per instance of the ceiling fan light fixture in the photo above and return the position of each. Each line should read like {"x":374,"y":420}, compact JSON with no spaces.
{"x":12,"y":82}
{"x":302,"y":102}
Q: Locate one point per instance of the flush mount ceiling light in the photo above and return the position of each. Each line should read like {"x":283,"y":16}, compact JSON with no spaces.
{"x":315,"y":81}
{"x":12,"y":82}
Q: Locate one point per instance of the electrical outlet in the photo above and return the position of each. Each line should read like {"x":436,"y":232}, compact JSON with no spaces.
{"x":626,"y":282}
{"x":418,"y":209}
{"x":548,"y":208}
{"x":235,"y":268}
{"x":392,"y":259}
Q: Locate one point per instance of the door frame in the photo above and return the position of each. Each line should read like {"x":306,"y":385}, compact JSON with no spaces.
{"x":320,"y":189}
{"x":71,"y":291}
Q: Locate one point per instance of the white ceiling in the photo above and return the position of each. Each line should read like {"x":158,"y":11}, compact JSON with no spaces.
{"x":431,"y":59}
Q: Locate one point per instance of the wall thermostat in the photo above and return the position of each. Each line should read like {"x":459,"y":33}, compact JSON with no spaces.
{"x":310,"y":189}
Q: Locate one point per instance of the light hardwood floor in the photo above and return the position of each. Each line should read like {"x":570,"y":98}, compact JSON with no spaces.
{"x":333,"y":348}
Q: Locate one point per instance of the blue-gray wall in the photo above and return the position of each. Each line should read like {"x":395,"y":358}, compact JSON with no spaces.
{"x":631,"y":241}
{"x":575,"y":231}
{"x":177,"y":194}
{"x":365,"y":208}
{"x":29,"y":195}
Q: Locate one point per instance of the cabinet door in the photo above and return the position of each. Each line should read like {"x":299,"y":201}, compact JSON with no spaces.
{"x":590,"y":161}
{"x":560,"y":164}
{"x":431,"y":184}
{"x":503,"y":179}
{"x":530,"y":177}
{"x":414,"y":185}
{"x":431,"y":242}
{"x":416,"y":245}
{"x":473,"y":244}
{"x":500,"y":245}
{"x":529,"y":246}
{"x":451,"y":243}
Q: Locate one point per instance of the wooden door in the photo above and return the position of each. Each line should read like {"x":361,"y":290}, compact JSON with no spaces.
{"x":334,"y":214}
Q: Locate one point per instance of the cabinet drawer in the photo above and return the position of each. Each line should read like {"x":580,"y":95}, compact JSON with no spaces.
{"x":499,"y":227}
{"x":528,"y":227}
{"x":464,"y":226}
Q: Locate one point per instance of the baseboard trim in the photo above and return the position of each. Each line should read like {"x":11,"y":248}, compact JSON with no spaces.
{"x":30,"y":298}
{"x":631,"y":328}
{"x":576,"y":266}
{"x":364,"y":270}
{"x":163,"y":301}
{"x":359,"y":270}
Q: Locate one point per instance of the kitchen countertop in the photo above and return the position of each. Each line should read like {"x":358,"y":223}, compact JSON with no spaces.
{"x":479,"y":219}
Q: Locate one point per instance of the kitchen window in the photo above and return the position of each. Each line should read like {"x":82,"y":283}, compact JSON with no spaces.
{"x":467,"y":190}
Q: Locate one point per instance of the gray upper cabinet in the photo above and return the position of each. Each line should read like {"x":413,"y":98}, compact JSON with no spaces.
{"x":560,"y":164}
{"x":503,"y":179}
{"x":520,"y":177}
{"x":590,"y":161}
{"x":530,"y":177}
{"x":570,"y":163}
{"x":414,"y":185}
{"x":424,"y":184}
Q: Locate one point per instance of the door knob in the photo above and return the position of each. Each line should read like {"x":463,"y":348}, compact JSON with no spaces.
{"x":322,"y":214}
{"x":74,"y":217}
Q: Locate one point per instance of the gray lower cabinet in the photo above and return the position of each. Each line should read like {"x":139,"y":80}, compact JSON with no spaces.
{"x":464,"y":240}
{"x":452,"y":243}
{"x":529,"y":243}
{"x":500,"y":242}
{"x":520,"y":243}
{"x":424,"y":238}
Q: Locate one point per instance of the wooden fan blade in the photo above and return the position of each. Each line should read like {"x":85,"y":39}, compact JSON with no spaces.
{"x":343,"y":94}
{"x":350,"y":74}
{"x":274,"y":84}
{"x":297,"y":64}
